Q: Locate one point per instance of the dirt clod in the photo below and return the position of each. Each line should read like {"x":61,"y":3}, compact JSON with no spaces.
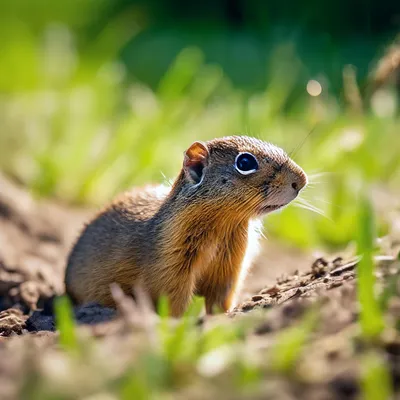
{"x":345,"y":387}
{"x":273,"y":291}
{"x":12,"y":322}
{"x":319,"y":267}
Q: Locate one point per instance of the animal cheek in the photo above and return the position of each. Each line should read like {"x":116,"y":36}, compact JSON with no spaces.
{"x":278,"y":181}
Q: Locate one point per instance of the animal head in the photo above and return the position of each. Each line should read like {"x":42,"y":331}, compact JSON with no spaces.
{"x":245,"y":174}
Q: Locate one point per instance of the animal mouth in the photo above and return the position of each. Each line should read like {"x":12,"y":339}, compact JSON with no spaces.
{"x":269,"y":208}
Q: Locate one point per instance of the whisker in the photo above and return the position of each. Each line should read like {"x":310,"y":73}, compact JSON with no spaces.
{"x":316,"y":209}
{"x":328,"y":202}
{"x":262,"y":234}
{"x":307,"y":190}
{"x":303,"y":200}
{"x":319,"y":177}
{"x":315,"y":181}
{"x":300,"y":145}
{"x":319,"y":199}
{"x":312,"y":209}
{"x":310,"y":188}
{"x":302,"y":203}
{"x":312,"y":184}
{"x":317,"y":174}
{"x":167,"y":181}
{"x":306,"y":203}
{"x":322,"y":174}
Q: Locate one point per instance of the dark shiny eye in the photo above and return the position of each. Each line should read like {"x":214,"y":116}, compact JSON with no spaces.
{"x":246,"y":163}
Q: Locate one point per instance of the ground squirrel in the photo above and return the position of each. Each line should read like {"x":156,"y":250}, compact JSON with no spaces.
{"x":196,"y":237}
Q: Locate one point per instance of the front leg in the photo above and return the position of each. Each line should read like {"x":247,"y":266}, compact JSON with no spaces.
{"x":222,"y":296}
{"x":220,"y":284}
{"x":176,"y":285}
{"x":180,"y":295}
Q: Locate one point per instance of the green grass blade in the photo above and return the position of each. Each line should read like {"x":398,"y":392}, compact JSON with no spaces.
{"x":290,"y":343}
{"x":65,"y":324}
{"x":375,"y":381}
{"x":163,"y":307}
{"x":134,"y":388}
{"x":195,"y":307}
{"x":371,"y":318}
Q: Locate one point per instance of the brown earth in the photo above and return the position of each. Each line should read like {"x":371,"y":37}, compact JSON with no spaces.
{"x":35,"y":237}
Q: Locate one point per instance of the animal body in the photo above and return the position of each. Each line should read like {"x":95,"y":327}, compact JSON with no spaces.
{"x":196,"y":237}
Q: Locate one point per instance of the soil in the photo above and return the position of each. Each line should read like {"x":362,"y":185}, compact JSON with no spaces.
{"x":35,"y":237}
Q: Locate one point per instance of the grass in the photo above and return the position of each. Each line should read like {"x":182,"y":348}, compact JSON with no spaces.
{"x":372,"y":322}
{"x":76,"y":126}
{"x":376,"y":380}
{"x":83,"y":141}
{"x":182,"y":354}
{"x":178,"y":356}
{"x":290,"y":343}
{"x":375,"y":377}
{"x":65,"y":324}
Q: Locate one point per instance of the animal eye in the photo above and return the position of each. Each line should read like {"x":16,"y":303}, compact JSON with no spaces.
{"x":246,"y":163}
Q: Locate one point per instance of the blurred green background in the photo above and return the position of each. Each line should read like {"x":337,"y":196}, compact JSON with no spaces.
{"x":99,"y":95}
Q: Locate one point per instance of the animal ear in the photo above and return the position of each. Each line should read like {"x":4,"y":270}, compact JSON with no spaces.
{"x":196,"y":158}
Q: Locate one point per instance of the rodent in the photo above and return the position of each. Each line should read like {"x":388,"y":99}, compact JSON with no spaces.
{"x":195,"y":237}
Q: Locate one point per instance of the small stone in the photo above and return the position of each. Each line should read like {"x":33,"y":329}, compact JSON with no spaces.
{"x":319,"y":267}
{"x":335,"y":284}
{"x":249,"y":305}
{"x":263,"y":328}
{"x":337,"y":262}
{"x":273,"y":291}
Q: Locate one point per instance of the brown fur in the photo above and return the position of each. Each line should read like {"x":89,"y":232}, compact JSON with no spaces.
{"x":191,"y":239}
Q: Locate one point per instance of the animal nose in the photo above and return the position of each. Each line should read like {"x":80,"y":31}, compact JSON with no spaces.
{"x":300,"y":182}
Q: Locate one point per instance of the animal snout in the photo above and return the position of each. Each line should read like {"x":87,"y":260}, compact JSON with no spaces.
{"x":299,"y":181}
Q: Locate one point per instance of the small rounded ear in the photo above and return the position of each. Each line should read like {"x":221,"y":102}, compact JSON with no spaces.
{"x":196,"y":158}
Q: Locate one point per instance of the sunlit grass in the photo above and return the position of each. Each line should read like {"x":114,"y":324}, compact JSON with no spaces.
{"x":78,"y":128}
{"x":85,"y":143}
{"x":371,"y":314}
{"x":65,"y":324}
{"x":290,"y":343}
{"x":182,"y":354}
{"x":376,"y":382}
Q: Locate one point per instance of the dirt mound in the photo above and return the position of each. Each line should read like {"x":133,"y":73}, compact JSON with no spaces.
{"x":35,"y":238}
